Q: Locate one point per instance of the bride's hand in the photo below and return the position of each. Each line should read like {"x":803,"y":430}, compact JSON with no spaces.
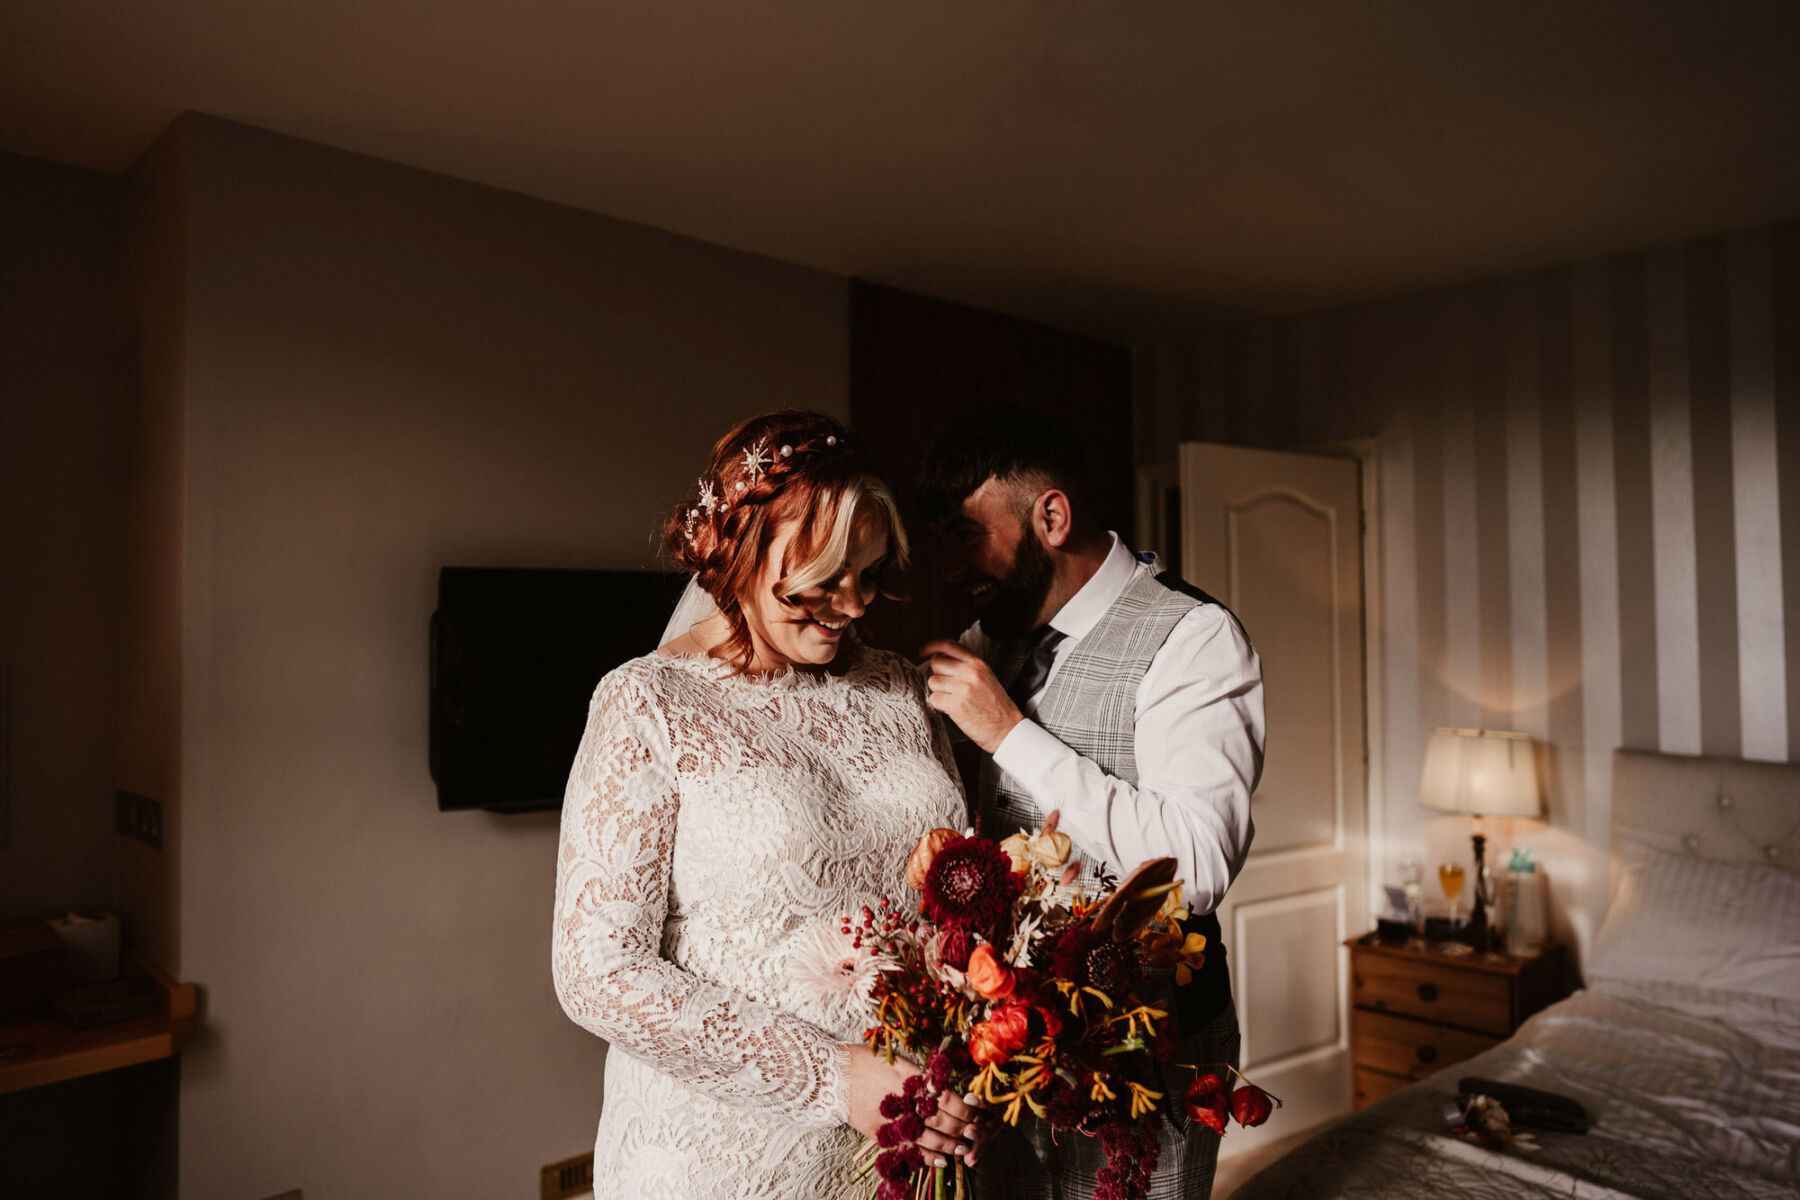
{"x":957,"y":1129}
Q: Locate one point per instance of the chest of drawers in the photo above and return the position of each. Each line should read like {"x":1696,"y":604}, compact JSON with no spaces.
{"x":1416,"y":1010}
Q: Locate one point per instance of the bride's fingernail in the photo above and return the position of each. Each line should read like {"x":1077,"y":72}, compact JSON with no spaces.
{"x":939,"y":1161}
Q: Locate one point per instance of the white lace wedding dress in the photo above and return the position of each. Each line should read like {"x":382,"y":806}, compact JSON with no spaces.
{"x":716,"y":830}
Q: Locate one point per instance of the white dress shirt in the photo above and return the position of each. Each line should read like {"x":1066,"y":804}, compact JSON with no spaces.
{"x":1199,"y":745}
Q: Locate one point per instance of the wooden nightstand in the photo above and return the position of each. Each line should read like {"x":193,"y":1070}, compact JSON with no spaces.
{"x":1416,"y":1010}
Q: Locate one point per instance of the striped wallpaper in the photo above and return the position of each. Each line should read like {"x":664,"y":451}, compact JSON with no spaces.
{"x":1590,"y":511}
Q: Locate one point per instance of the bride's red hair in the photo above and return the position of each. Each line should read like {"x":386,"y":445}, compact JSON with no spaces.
{"x":770,"y":470}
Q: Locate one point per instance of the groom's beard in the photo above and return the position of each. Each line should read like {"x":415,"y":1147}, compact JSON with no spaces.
{"x":1019,"y":596}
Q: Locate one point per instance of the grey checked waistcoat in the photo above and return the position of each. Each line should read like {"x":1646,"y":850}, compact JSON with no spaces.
{"x":1090,"y":706}
{"x":1091,"y":703}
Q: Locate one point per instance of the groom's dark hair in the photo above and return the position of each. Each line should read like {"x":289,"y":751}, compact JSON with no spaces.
{"x":1003,"y":442}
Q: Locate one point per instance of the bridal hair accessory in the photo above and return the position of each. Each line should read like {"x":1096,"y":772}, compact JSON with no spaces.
{"x":755,"y":466}
{"x":756,"y":461}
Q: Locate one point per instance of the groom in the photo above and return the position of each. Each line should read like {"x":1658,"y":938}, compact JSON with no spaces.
{"x":1098,"y":686}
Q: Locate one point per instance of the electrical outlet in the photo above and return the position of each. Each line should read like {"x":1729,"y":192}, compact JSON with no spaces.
{"x":570,"y":1177}
{"x":139,"y":817}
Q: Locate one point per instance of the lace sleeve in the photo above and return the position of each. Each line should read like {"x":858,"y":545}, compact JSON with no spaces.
{"x":612,"y":880}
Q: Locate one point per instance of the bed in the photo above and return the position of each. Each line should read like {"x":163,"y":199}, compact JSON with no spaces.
{"x":1684,"y":1048}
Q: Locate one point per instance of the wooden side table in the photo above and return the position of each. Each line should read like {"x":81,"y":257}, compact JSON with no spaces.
{"x":1416,"y":1010}
{"x":33,"y":1053}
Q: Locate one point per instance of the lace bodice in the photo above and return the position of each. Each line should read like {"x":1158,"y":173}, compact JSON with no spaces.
{"x":715,"y":831}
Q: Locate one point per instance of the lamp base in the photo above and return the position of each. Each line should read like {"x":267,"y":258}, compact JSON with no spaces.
{"x":1476,"y":933}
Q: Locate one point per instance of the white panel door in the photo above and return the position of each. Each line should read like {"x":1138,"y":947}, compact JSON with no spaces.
{"x":1277,"y":537}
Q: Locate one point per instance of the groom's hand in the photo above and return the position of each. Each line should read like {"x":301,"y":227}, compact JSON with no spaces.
{"x":964,"y":688}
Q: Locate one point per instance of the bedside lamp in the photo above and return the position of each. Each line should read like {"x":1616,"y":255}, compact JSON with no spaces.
{"x":1482,"y":772}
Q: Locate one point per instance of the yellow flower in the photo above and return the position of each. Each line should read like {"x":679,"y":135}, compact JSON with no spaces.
{"x":1143,"y":1100}
{"x":1192,"y":956}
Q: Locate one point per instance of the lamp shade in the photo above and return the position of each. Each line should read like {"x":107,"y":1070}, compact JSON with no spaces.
{"x":1487,"y":772}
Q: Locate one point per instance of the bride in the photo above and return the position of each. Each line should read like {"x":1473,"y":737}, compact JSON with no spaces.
{"x":736,"y":794}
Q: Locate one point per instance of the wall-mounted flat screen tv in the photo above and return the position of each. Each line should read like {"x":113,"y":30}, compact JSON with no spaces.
{"x":515,"y":656}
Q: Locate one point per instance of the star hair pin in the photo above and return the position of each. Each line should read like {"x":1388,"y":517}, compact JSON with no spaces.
{"x":709,"y":499}
{"x":757,"y":460}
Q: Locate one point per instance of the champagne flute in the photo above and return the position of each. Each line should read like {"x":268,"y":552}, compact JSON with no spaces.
{"x":1450,"y":878}
{"x":1412,"y":872}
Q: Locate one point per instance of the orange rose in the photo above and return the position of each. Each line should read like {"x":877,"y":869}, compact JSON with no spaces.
{"x":989,"y":976}
{"x":924,"y":852}
{"x":985,"y":1047}
{"x":998,"y":1038}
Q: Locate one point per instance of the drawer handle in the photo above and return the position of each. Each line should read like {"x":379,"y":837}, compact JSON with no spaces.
{"x":1428,"y":992}
{"x":1427,"y":1054}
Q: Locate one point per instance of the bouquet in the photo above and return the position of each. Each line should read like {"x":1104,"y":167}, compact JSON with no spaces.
{"x":1037,"y":996}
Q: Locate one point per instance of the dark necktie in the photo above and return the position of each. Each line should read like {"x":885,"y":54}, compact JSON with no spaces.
{"x":1037,"y":666}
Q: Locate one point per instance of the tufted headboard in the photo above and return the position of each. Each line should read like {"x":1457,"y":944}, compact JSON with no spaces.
{"x":1726,"y":809}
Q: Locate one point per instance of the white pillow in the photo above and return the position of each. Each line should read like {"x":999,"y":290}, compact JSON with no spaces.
{"x":1728,"y":926}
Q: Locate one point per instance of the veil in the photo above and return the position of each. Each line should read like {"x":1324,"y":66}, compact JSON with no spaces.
{"x":694,"y":607}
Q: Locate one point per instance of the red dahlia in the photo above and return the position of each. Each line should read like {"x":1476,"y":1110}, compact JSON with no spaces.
{"x":970,"y":884}
{"x":1091,"y":959}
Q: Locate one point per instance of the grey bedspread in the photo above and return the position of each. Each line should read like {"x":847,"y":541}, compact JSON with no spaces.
{"x":1694,"y":1096}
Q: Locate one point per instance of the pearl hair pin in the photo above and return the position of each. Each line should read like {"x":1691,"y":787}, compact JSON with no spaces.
{"x":756,"y":460}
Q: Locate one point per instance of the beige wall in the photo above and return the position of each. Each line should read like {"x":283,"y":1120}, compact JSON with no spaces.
{"x":384,"y":371}
{"x":1590,"y":512}
{"x":60,"y":446}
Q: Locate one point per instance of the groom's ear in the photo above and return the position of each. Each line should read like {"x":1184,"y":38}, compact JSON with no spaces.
{"x":1053,"y":518}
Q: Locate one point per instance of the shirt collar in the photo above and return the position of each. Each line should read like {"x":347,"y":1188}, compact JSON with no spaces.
{"x":1077,"y":618}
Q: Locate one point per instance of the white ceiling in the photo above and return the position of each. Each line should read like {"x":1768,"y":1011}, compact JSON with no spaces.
{"x":1078,"y":161}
